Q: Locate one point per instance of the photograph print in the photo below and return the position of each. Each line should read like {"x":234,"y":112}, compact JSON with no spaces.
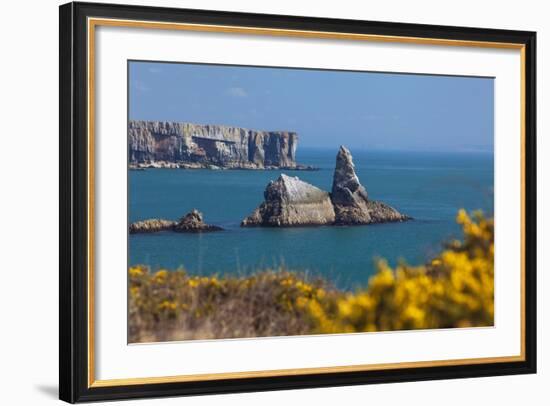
{"x":272,"y":201}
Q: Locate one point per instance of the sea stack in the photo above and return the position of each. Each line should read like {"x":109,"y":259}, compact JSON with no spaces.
{"x":350,"y":198}
{"x":289,"y":202}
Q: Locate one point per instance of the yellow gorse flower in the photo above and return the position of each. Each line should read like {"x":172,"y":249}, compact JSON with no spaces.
{"x":136,"y":271}
{"x":455,"y":289}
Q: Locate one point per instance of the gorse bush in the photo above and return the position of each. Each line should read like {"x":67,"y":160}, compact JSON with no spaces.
{"x":174,"y":305}
{"x":455,"y":289}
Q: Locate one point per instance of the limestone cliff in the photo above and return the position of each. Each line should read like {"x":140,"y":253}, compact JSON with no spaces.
{"x":171,"y":144}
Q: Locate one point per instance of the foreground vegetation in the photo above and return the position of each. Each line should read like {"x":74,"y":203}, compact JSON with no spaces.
{"x":455,"y":289}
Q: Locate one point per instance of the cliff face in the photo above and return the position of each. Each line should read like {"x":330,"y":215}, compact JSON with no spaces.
{"x":230,"y":147}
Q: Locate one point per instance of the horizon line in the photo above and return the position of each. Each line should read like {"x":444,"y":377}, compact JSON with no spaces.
{"x":391,"y":149}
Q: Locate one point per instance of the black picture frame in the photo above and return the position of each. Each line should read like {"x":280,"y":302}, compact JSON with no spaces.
{"x":74,"y":199}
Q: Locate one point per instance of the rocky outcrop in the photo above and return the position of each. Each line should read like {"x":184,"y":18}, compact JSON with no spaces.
{"x":292,"y":202}
{"x":186,"y":145}
{"x":151,"y":226}
{"x":289,"y":201}
{"x":192,"y":222}
{"x":350,"y":198}
{"x":382,"y":213}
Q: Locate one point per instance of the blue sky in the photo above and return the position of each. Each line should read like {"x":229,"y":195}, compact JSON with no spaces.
{"x":362,"y":110}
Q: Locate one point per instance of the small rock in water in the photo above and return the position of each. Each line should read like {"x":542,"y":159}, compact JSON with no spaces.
{"x":151,"y":226}
{"x":192,"y":222}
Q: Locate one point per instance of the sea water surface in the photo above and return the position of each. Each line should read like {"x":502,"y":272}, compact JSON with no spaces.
{"x":430,"y":187}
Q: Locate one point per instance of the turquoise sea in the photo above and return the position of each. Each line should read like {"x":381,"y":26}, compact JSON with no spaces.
{"x":430,"y":187}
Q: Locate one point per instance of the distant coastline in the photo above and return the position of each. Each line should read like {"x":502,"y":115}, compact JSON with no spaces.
{"x":140,"y":166}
